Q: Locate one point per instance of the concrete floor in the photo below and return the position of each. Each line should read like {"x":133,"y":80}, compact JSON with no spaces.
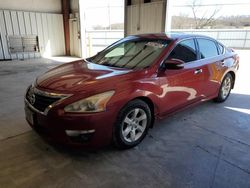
{"x":206,"y":146}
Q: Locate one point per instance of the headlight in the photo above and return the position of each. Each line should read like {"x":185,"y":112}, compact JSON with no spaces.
{"x":95,"y":103}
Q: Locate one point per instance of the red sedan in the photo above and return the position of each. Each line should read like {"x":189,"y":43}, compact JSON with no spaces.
{"x":115,"y":95}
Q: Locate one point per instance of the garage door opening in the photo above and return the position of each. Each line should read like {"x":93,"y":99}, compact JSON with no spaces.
{"x":102,"y":23}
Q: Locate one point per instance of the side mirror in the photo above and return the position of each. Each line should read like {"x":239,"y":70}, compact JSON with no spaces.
{"x":174,"y":64}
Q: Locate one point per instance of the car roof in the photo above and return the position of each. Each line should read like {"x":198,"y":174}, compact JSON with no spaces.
{"x":169,"y":35}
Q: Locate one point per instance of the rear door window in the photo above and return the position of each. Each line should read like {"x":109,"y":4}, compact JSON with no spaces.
{"x":207,"y":48}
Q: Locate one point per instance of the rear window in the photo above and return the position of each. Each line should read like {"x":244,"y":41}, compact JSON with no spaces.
{"x":207,"y":48}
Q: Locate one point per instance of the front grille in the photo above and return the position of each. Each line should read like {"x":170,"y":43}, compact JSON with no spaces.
{"x":40,"y":101}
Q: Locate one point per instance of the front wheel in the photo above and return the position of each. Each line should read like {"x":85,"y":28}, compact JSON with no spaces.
{"x":225,"y":88}
{"x":132,"y":124}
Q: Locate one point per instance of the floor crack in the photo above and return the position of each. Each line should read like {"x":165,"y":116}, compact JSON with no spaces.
{"x":10,"y":137}
{"x":216,"y":166}
{"x":247,"y":171}
{"x":229,"y":139}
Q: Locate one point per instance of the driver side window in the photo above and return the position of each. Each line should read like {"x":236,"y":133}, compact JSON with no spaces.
{"x":185,"y":51}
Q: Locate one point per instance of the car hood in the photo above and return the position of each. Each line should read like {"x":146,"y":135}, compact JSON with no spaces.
{"x":78,"y":76}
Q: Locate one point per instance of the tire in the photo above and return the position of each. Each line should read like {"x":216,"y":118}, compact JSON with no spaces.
{"x":132,"y":124}
{"x":225,"y":88}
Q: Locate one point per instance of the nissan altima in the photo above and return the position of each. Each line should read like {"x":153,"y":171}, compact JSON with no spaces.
{"x":115,"y":96}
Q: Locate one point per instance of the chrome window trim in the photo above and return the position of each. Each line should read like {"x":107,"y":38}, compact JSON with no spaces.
{"x":46,"y":94}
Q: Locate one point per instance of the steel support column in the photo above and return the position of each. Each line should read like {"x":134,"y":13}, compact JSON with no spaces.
{"x":65,"y":12}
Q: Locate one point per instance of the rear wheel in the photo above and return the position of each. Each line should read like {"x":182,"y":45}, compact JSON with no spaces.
{"x":225,"y":88}
{"x":132,"y":124}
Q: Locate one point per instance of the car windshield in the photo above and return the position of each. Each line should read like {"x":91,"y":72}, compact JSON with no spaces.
{"x":131,"y":54}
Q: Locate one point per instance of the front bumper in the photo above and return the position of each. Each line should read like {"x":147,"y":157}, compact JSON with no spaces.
{"x":96,"y":127}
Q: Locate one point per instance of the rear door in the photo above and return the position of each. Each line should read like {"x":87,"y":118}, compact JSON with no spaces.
{"x":211,"y":61}
{"x":182,"y":87}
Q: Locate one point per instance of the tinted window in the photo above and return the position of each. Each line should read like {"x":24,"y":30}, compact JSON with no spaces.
{"x":184,"y":51}
{"x":221,"y":48}
{"x":208,"y":48}
{"x":131,"y":54}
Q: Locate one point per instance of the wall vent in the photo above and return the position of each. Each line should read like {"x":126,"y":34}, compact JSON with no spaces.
{"x":23,"y":43}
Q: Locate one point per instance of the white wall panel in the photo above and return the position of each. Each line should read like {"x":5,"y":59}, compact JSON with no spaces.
{"x":27,"y":23}
{"x":55,"y":36}
{"x":51,"y":36}
{"x":47,"y":26}
{"x":16,"y":29}
{"x":34,"y":28}
{"x":9,"y":27}
{"x":20,"y":16}
{"x":60,"y":37}
{"x":40,"y":32}
{"x":1,"y":50}
{"x":46,"y":42}
{"x":3,"y":34}
{"x":14,"y":22}
{"x":21,"y":23}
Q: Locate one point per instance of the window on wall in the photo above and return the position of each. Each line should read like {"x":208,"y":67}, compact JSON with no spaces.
{"x":103,"y":24}
{"x":207,"y":48}
{"x":184,"y":51}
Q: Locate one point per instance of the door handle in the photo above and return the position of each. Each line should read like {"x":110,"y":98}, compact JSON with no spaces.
{"x":198,"y":71}
{"x":223,"y":63}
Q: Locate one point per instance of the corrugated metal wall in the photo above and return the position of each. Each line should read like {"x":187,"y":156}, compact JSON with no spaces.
{"x":145,"y":18}
{"x":47,"y":26}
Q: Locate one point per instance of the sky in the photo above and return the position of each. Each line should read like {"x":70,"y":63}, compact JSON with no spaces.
{"x":97,"y":11}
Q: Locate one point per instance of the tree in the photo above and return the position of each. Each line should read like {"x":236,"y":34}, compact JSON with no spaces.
{"x":207,"y":18}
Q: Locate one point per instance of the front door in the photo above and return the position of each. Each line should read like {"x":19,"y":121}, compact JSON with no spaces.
{"x":181,"y":87}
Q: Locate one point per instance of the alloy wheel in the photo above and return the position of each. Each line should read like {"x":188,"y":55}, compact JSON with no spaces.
{"x":134,"y":125}
{"x":226,"y":87}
